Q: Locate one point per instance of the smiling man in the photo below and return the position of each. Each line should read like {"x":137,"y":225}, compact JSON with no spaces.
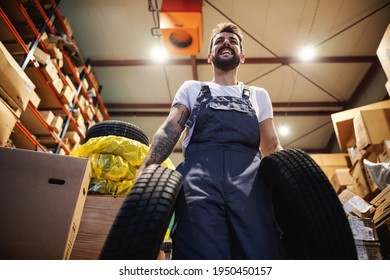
{"x":224,"y":210}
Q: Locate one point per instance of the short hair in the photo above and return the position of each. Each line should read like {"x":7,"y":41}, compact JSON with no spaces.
{"x":226,"y":27}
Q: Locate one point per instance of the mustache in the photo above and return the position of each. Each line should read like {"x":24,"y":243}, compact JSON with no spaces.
{"x":228,"y":48}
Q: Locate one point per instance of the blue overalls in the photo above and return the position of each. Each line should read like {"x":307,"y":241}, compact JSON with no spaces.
{"x":224,"y":209}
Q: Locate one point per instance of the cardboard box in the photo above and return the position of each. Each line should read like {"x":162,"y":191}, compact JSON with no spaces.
{"x":329,"y":163}
{"x":41,"y":203}
{"x":34,"y":124}
{"x":336,"y":159}
{"x":383,"y":52}
{"x":354,"y":204}
{"x":366,"y":238}
{"x":382,"y":204}
{"x":80,"y":122}
{"x":56,"y":54}
{"x":341,"y":179}
{"x":51,"y":70}
{"x":90,"y":112}
{"x":13,"y":81}
{"x":41,"y":56}
{"x":355,"y":154}
{"x":368,"y":250}
{"x":343,"y":122}
{"x":360,"y":186}
{"x":10,"y":103}
{"x":384,"y":152}
{"x":99,"y":213}
{"x":48,"y":116}
{"x":7,"y":122}
{"x":371,"y":127}
{"x":67,"y":95}
{"x":70,"y":83}
{"x":34,"y":99}
{"x":56,"y":124}
{"x":58,"y":85}
{"x":363,"y":228}
{"x":73,"y":137}
{"x":46,"y":91}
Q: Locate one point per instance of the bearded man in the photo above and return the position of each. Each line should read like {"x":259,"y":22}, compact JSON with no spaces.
{"x":224,"y":209}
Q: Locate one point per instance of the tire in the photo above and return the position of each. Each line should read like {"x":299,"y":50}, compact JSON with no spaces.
{"x":140,"y":226}
{"x":307,"y":208}
{"x":118,"y":128}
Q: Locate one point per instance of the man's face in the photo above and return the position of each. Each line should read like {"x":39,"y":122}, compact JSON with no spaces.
{"x":225,"y":51}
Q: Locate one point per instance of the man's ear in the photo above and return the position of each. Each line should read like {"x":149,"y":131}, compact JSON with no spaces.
{"x":209,"y":58}
{"x":242,"y":58}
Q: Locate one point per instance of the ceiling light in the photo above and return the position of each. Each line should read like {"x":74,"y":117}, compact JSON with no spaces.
{"x":284,"y":130}
{"x":159,"y":54}
{"x":307,"y":53}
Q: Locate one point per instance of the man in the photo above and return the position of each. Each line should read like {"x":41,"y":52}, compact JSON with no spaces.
{"x":224,"y":209}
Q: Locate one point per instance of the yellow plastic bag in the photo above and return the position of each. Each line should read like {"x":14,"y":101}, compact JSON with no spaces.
{"x":115,"y":161}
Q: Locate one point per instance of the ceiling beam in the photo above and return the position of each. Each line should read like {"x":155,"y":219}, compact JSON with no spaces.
{"x":193,"y":61}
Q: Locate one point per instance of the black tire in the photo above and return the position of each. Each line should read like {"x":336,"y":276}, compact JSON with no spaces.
{"x":140,"y":226}
{"x":307,"y":208}
{"x":117,"y":128}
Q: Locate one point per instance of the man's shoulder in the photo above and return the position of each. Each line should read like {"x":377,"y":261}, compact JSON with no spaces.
{"x":257,"y":90}
{"x":191,"y":86}
{"x":192,"y":83}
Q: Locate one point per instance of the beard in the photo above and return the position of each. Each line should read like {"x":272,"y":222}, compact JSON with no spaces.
{"x":226,"y":64}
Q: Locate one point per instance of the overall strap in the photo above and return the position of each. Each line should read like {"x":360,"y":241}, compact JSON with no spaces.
{"x":246,"y":92}
{"x":204,"y":93}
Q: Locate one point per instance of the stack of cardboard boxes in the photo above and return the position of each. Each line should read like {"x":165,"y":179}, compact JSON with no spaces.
{"x":16,"y":90}
{"x":366,"y":238}
{"x":363,"y":132}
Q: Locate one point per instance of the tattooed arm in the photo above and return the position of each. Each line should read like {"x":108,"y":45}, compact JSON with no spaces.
{"x":269,"y":138}
{"x":167,"y":135}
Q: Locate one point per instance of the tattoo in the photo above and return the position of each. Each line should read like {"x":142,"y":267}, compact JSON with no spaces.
{"x":183,"y":119}
{"x":184,"y":114}
{"x":161,"y":150}
{"x":167,"y":135}
{"x":163,"y":144}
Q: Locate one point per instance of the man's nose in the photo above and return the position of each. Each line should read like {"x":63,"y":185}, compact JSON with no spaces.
{"x":226,"y":42}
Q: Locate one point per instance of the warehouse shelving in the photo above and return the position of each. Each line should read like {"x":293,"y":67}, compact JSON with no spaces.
{"x":24,"y":25}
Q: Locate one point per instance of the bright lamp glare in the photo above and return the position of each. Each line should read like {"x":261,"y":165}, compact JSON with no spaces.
{"x":307,"y":53}
{"x":284,"y":130}
{"x":159,"y":54}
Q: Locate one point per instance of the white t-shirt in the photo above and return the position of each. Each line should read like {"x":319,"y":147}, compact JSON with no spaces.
{"x":189,"y":91}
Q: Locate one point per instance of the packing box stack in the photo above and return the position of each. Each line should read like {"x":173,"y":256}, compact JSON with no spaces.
{"x":16,"y":90}
{"x":364,"y":132}
{"x":366,"y":238}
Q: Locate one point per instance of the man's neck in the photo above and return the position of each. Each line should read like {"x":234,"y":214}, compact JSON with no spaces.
{"x":225,"y":78}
